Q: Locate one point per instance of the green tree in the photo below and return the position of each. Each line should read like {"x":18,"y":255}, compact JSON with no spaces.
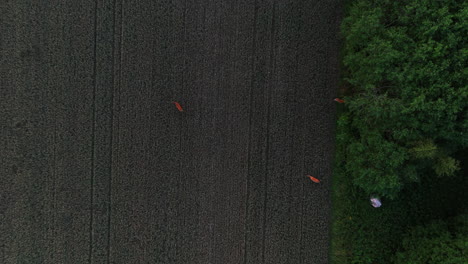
{"x":406,"y":65}
{"x":439,"y":242}
{"x":424,"y":149}
{"x":442,"y":164}
{"x":446,"y":166}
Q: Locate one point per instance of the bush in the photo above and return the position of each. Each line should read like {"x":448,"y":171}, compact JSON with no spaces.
{"x":366,"y":235}
{"x":440,"y":242}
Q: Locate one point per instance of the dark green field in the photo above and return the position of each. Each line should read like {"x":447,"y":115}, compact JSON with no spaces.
{"x":98,"y":166}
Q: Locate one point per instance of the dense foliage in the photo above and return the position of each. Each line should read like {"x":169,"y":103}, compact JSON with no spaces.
{"x":402,"y":134}
{"x":406,"y":77}
{"x":440,"y":242}
{"x":366,"y":235}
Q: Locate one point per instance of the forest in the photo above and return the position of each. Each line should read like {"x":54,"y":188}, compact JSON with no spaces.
{"x":401,"y":133}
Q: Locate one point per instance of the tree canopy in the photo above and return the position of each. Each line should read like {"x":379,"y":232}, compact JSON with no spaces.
{"x":439,"y":242}
{"x":405,"y":70}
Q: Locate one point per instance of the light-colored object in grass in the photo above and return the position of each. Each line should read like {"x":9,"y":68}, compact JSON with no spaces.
{"x":375,"y":202}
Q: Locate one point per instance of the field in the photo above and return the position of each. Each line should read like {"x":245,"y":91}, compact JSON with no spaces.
{"x":99,"y":166}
